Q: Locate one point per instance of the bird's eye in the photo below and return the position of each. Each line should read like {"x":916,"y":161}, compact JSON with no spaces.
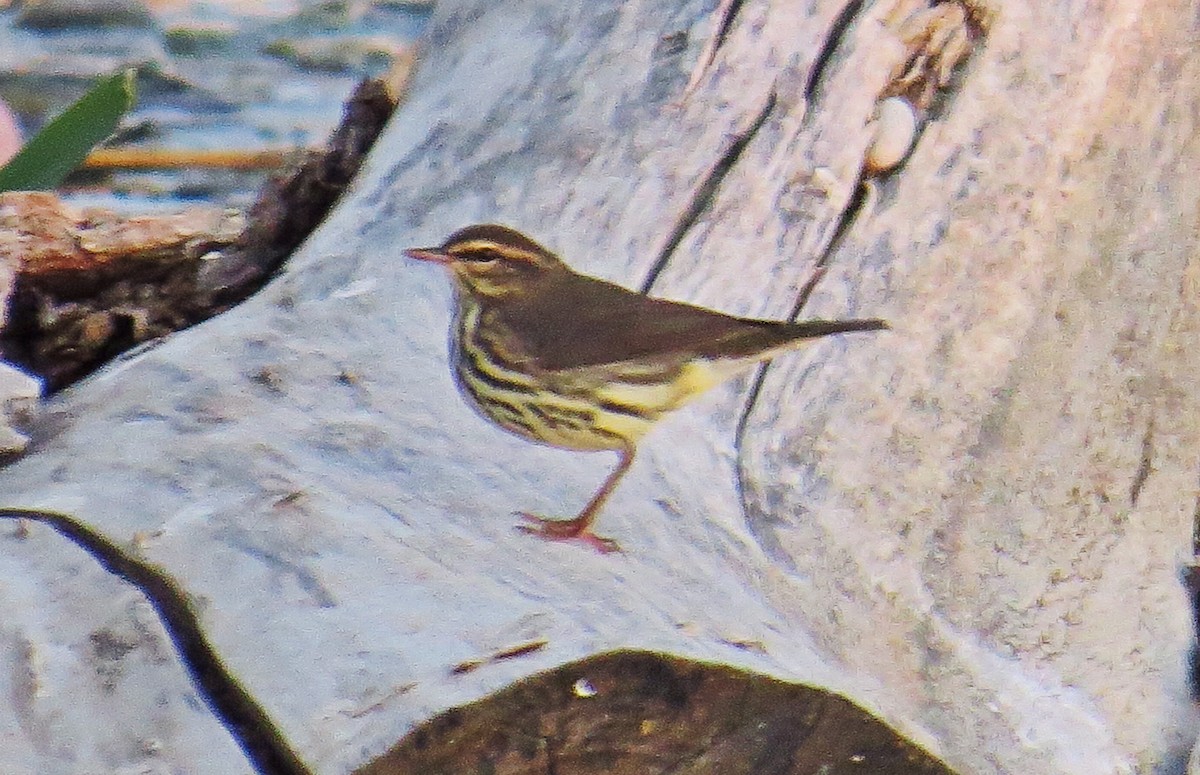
{"x":483,"y":256}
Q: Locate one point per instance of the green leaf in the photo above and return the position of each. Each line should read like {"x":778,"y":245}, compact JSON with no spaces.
{"x":65,"y":142}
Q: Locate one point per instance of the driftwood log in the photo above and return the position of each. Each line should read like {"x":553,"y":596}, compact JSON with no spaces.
{"x":973,"y":525}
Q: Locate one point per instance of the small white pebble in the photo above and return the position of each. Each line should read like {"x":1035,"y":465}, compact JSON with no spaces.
{"x":895,"y":130}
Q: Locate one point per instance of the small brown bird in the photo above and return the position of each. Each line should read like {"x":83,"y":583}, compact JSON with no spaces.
{"x":579,"y":363}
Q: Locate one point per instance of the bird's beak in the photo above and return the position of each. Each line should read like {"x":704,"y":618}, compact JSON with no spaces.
{"x":436,"y":255}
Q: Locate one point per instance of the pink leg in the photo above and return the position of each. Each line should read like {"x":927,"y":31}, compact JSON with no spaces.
{"x":580,"y":528}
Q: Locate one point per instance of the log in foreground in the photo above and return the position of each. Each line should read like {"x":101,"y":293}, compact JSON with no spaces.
{"x":647,"y":713}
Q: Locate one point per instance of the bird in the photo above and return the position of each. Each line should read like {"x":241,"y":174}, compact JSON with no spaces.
{"x":579,"y":363}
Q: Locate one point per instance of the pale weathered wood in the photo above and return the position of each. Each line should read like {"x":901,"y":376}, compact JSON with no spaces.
{"x":939,"y":521}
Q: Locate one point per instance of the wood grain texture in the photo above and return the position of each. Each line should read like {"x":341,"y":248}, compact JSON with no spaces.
{"x":971,"y":526}
{"x":1027,"y":474}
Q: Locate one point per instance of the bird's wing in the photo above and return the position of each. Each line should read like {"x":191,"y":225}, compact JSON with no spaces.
{"x":587,"y":322}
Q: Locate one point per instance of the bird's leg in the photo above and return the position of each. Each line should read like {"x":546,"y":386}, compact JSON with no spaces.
{"x":580,"y":528}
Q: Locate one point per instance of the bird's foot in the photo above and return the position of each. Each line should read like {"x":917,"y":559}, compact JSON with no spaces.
{"x":566,"y":530}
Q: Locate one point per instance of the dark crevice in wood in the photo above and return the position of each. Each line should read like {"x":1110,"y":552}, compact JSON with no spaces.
{"x":836,"y":32}
{"x":847,"y":219}
{"x":739,"y":434}
{"x":729,"y":10}
{"x":725,"y":13}
{"x":1189,"y":578}
{"x":1143,"y":470}
{"x":247,"y":722}
{"x":849,"y":215}
{"x":707,"y":190}
{"x":1196,"y":525}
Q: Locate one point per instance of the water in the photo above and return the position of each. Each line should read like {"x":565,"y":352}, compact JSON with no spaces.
{"x":231,"y":76}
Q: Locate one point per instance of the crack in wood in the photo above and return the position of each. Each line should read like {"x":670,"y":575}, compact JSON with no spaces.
{"x":853,"y":207}
{"x":707,"y":190}
{"x":1196,"y":526}
{"x":864,"y":191}
{"x":837,"y":31}
{"x":246,"y":721}
{"x":845,"y":221}
{"x":1189,"y":578}
{"x":725,"y":13}
{"x":1143,"y":469}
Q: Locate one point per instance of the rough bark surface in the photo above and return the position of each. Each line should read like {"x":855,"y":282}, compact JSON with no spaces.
{"x":972,"y":524}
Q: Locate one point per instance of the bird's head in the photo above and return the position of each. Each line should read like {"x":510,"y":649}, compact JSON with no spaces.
{"x":491,"y":261}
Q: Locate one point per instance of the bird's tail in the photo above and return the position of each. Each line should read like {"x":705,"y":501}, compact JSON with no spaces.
{"x":769,"y":338}
{"x":812,"y":329}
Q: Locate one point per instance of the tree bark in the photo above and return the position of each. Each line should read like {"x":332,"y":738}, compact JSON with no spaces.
{"x":973,"y":524}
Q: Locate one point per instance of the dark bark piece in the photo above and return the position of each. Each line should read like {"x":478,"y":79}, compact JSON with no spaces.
{"x":290,"y":206}
{"x":92,"y":283}
{"x":645,"y":713}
